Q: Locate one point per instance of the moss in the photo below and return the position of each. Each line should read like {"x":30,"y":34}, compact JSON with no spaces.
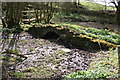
{"x":17,"y":59}
{"x":30,"y":69}
{"x":105,"y":42}
{"x":41,"y":43}
{"x":48,"y":56}
{"x":18,"y":75}
{"x":40,"y":74}
{"x":83,"y":36}
{"x":25,"y":29}
{"x":59,"y":52}
{"x":3,"y":58}
{"x":31,"y":49}
{"x":98,"y":41}
{"x":86,"y":36}
{"x":13,"y":51}
{"x":57,"y":60}
{"x":42,"y":51}
{"x":35,"y":40}
{"x":12,"y":59}
{"x":23,"y":41}
{"x":105,"y":66}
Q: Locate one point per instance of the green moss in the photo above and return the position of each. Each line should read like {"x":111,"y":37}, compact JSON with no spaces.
{"x":105,"y":42}
{"x":3,"y":58}
{"x":59,"y":52}
{"x":30,"y":69}
{"x":31,"y":49}
{"x":13,"y":50}
{"x":102,"y":67}
{"x":102,"y":38}
{"x":23,"y":41}
{"x":43,"y":51}
{"x":18,"y":75}
{"x":17,"y":59}
{"x":41,"y":43}
{"x":57,"y":60}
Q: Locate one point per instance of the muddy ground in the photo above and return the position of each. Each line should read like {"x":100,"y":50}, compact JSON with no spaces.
{"x":46,"y":58}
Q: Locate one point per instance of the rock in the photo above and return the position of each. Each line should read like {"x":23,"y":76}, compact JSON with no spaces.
{"x":66,"y":50}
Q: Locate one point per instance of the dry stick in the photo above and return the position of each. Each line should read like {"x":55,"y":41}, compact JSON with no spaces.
{"x":59,"y":37}
{"x":100,"y":46}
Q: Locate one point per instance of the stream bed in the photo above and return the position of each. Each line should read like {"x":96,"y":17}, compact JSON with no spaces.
{"x":48,"y":58}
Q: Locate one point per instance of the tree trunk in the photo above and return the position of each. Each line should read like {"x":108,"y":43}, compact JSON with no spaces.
{"x":36,"y":12}
{"x":118,"y":14}
{"x":13,"y":13}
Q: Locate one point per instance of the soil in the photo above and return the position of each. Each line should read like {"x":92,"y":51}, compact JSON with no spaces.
{"x":48,"y":58}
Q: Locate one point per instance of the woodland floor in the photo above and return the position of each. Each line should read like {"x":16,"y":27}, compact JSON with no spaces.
{"x":47,"y":58}
{"x":99,"y":26}
{"x":50,"y":58}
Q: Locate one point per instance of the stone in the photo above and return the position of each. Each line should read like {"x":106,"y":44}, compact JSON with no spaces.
{"x":66,"y":50}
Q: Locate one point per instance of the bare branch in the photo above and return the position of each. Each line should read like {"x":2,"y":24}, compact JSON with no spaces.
{"x":113,"y":2}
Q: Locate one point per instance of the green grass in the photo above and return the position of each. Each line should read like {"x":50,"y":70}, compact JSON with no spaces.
{"x":94,"y":6}
{"x":96,"y":33}
{"x":100,"y":34}
{"x":31,"y":49}
{"x":86,"y":15}
{"x":103,"y":67}
{"x":18,"y":75}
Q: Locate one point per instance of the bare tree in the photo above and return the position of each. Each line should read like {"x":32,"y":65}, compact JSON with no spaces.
{"x":117,"y":5}
{"x":13,"y":11}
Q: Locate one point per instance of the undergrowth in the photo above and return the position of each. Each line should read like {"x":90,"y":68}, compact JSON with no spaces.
{"x":103,"y":67}
{"x":100,"y":34}
{"x":96,"y":33}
